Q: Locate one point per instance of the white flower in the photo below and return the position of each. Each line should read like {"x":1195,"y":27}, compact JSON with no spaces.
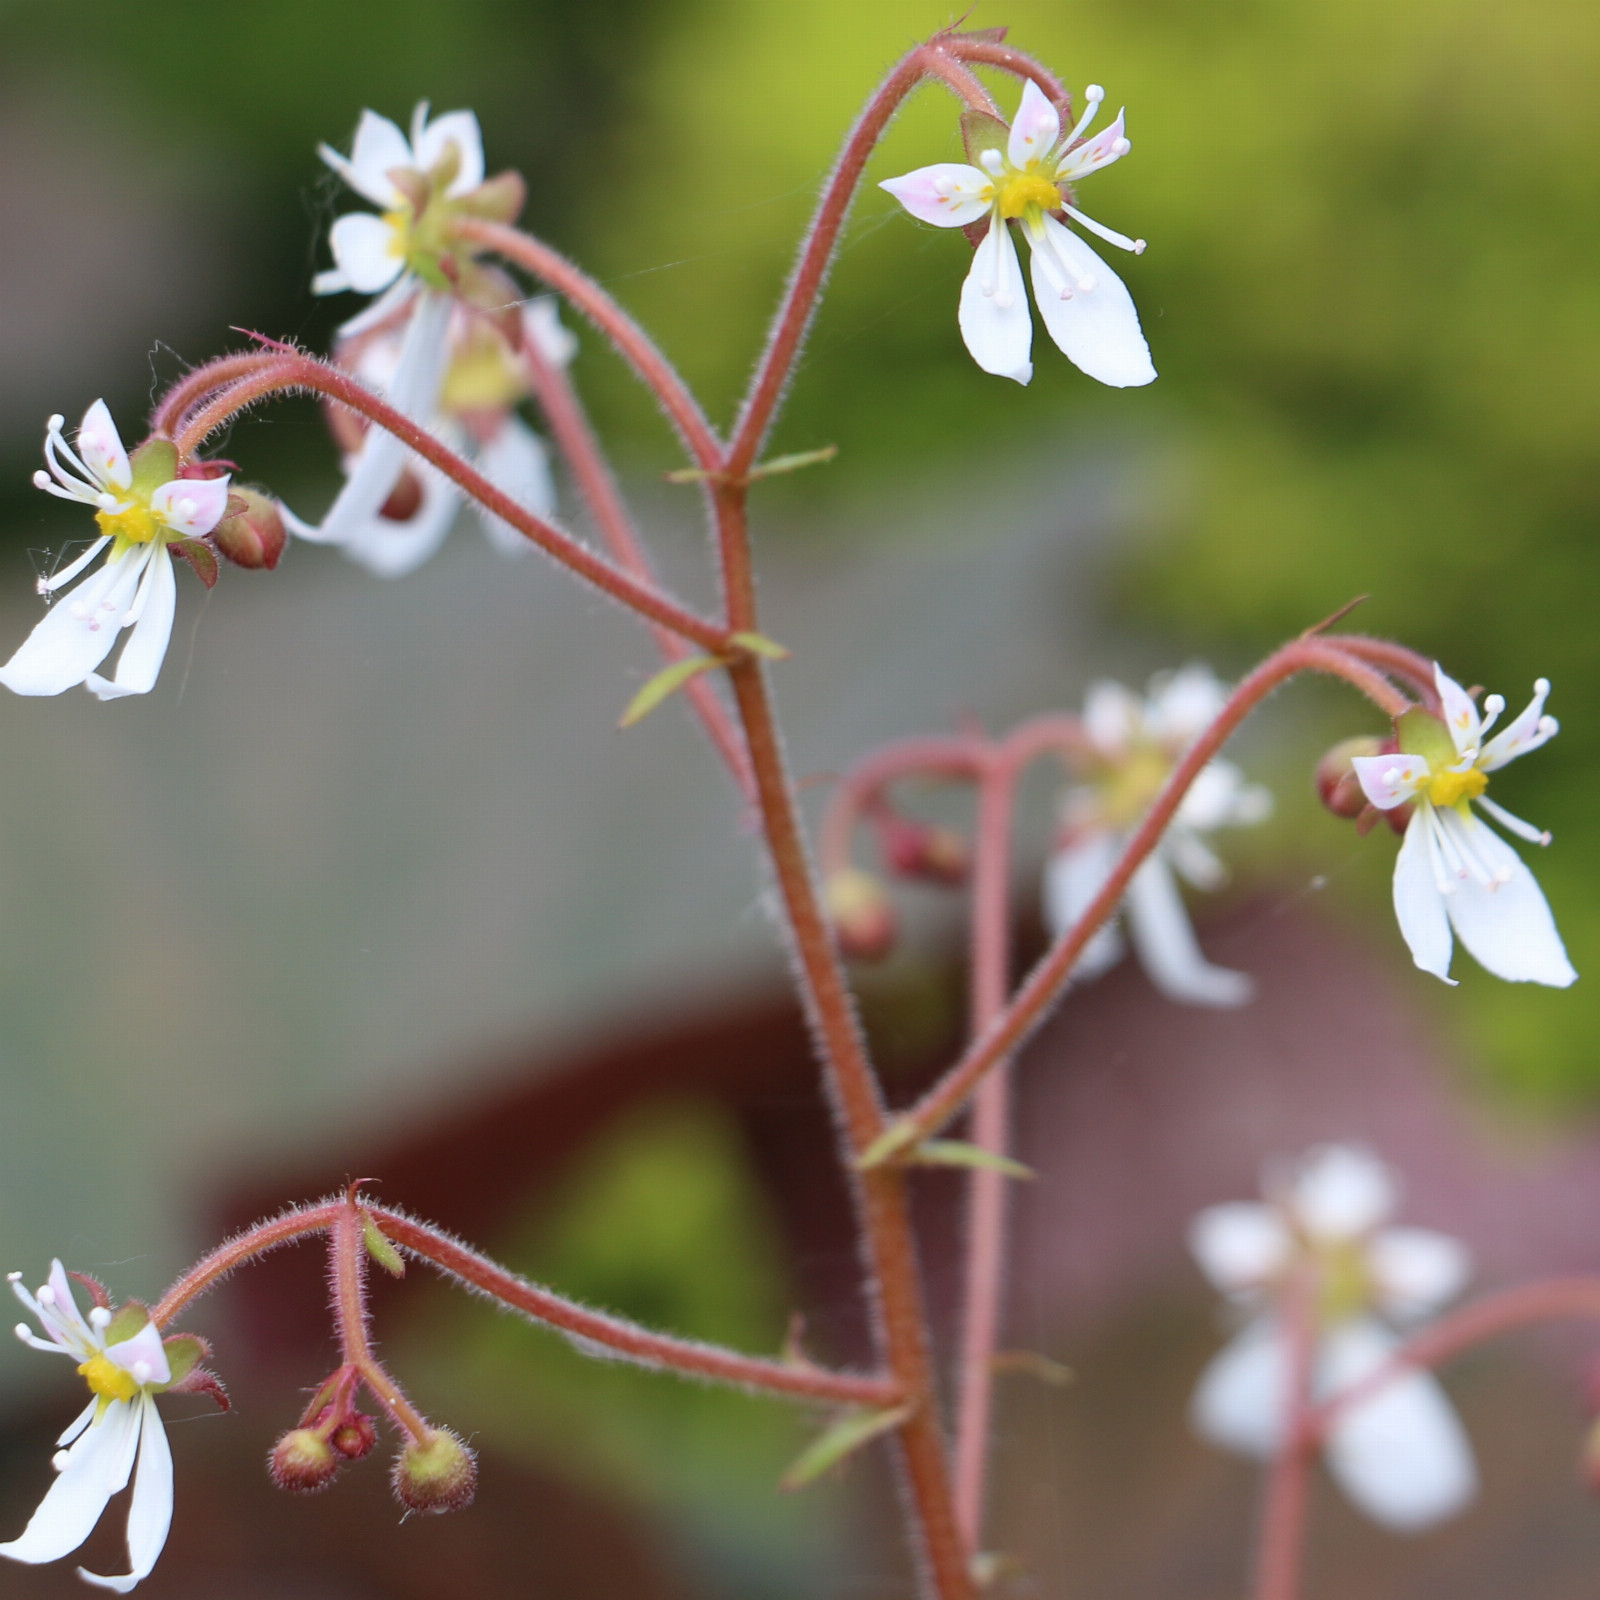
{"x":141,"y":508}
{"x":1025,"y":175}
{"x":1135,"y":744}
{"x":1399,"y":1453}
{"x":124,"y":1366}
{"x":1453,"y":871}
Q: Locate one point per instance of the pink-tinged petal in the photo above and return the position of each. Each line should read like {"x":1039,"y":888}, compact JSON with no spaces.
{"x":365,"y":248}
{"x":379,"y":147}
{"x":1239,"y":1402}
{"x":144,"y":1350}
{"x":1074,"y":876}
{"x":140,"y":662}
{"x":1112,"y":714}
{"x":1240,"y":1246}
{"x":1401,"y":1455}
{"x":1087,"y":309}
{"x":393,"y":549}
{"x":1342,"y":1191}
{"x":1036,"y":128}
{"x":1389,"y":781}
{"x":1415,"y":1271}
{"x":96,"y":1468}
{"x":1530,"y":729}
{"x":1164,"y":938}
{"x":1419,"y":904}
{"x":100,"y":446}
{"x":516,"y":462}
{"x":77,"y":632}
{"x":994,"y":318}
{"x":191,"y":506}
{"x":459,"y":128}
{"x":1460,"y":714}
{"x":947,"y":194}
{"x":1507,"y":924}
{"x":1110,"y":144}
{"x":150,"y":1510}
{"x":63,"y":1308}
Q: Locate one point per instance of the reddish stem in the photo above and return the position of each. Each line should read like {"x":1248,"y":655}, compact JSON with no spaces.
{"x":195,"y":386}
{"x":862,"y":787}
{"x":1398,"y":661}
{"x":992,"y":53}
{"x":1283,"y":1516}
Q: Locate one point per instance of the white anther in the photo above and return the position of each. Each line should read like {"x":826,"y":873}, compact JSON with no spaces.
{"x":100,"y":1318}
{"x":59,"y":1460}
{"x":141,"y":1372}
{"x":13,"y":1277}
{"x":992,"y":162}
{"x":42,"y":479}
{"x":187,"y":508}
{"x":23,"y":1332}
{"x":1095,"y":93}
{"x":46,"y":1295}
{"x":55,"y":423}
{"x":1541,"y":686}
{"x":1139,"y":247}
{"x":106,"y":500}
{"x":1122,"y":146}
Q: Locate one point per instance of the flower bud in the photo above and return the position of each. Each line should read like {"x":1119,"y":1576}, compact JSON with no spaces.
{"x":252,"y":534}
{"x":435,"y":1474}
{"x":863,"y":918}
{"x":355,"y":1436}
{"x":1337,"y":782}
{"x":920,"y":850}
{"x":405,"y":499}
{"x":303,"y":1462}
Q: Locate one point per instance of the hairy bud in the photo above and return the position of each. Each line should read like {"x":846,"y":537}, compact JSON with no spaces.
{"x":355,"y":1436}
{"x":435,"y":1474}
{"x":1337,"y":782}
{"x":303,"y":1462}
{"x":922,"y":850}
{"x":252,"y":534}
{"x":861,"y":913}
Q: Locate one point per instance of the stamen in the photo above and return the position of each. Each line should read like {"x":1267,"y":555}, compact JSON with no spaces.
{"x":1492,"y":707}
{"x":1449,"y":854}
{"x":146,"y":584}
{"x":1507,"y":819}
{"x":1092,"y":95}
{"x":100,"y":1318}
{"x":59,"y":1460}
{"x":1100,"y":230}
{"x":46,"y":1295}
{"x":141,"y":1372}
{"x":1459,"y":833}
{"x":992,"y":162}
{"x":1432,"y":833}
{"x":60,"y":579}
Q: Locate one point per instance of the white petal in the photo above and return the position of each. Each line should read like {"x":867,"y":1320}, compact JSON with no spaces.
{"x":542,"y":327}
{"x":191,"y":506}
{"x":459,"y":128}
{"x":367,"y":250}
{"x":1239,"y":1402}
{"x":1074,"y":875}
{"x":1530,"y":730}
{"x":77,"y":632}
{"x":1220,"y":796}
{"x":994,"y":318}
{"x":1418,"y":904}
{"x":150,"y":1511}
{"x":78,"y":1423}
{"x":1036,"y":128}
{"x":388,"y":304}
{"x":1110,"y":144}
{"x":1460,"y":714}
{"x":96,"y":1468}
{"x":515,"y":461}
{"x":1192,"y":858}
{"x":100,"y":446}
{"x":1239,"y":1245}
{"x":379,"y":147}
{"x":1416,"y":1270}
{"x":1401,"y":1456}
{"x":1112,"y":714}
{"x":948,"y":194}
{"x":140,"y":662}
{"x":1342,"y":1191}
{"x":62,"y":1318}
{"x":1507,"y":925}
{"x":1164,"y":939}
{"x":1390,"y":780}
{"x":1185,"y":703}
{"x":144,"y":1348}
{"x":391,"y":548}
{"x":1097,"y":328}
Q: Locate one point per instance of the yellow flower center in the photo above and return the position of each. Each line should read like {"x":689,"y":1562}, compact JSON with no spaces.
{"x":1344,"y":1285}
{"x":106,"y":1379}
{"x":137,"y":525}
{"x":1021,"y":190}
{"x":1451,"y":788}
{"x":1130,"y":789}
{"x":399,"y":231}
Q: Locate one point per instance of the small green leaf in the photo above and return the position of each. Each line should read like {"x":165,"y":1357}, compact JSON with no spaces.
{"x":957,"y":1153}
{"x":382,"y":1248}
{"x":185,"y":1351}
{"x":758,"y":644}
{"x":896,"y":1137}
{"x":154,"y":463}
{"x":1422,"y":734}
{"x":127,"y":1322}
{"x":793,"y":463}
{"x":842,"y":1437}
{"x":1030,"y":1364}
{"x":980,"y":132}
{"x":667,"y":681}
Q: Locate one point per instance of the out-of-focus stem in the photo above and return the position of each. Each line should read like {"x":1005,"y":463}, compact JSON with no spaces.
{"x":861,"y":788}
{"x":1283,"y":1514}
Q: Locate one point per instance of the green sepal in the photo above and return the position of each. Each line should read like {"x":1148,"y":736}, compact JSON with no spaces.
{"x":958,"y":1153}
{"x":154,"y":463}
{"x":779,"y":465}
{"x":497,"y":199}
{"x":126,"y":1322}
{"x":427,"y":268}
{"x":980,"y":132}
{"x":758,"y":644}
{"x":842,"y":1437}
{"x":381,"y":1248}
{"x":896,"y":1137}
{"x":1422,"y":734}
{"x":185,"y":1351}
{"x":666,"y":682}
{"x":200,"y":556}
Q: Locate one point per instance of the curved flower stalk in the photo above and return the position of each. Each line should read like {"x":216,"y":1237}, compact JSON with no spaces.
{"x":126,"y":1364}
{"x":1399,"y":1452}
{"x":483,"y":384}
{"x":1135,"y":745}
{"x":1453,"y":870}
{"x":144,"y":510}
{"x":1025,"y":174}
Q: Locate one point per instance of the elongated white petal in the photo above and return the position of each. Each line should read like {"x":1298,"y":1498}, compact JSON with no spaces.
{"x":150,"y":1510}
{"x":379,"y":147}
{"x":994,"y":318}
{"x":1112,"y":714}
{"x":1390,"y":780}
{"x":1402,"y":1456}
{"x":191,"y":506}
{"x":96,"y":1468}
{"x":78,"y":1423}
{"x":1036,"y":128}
{"x":1419,"y":906}
{"x":1164,"y":939}
{"x":1507,"y":925}
{"x":516,"y":461}
{"x":77,"y":632}
{"x":1074,"y":876}
{"x":1219,"y":797}
{"x":948,"y":194}
{"x":1415,"y":1271}
{"x":100,"y":445}
{"x":388,"y":304}
{"x":1183,"y":704}
{"x":367,"y":250}
{"x":1528,"y":731}
{"x":1239,"y":1401}
{"x":1240,"y":1245}
{"x":1110,"y":144}
{"x":1342,"y":1191}
{"x":459,"y":128}
{"x":1460,"y":714}
{"x":1095,"y":327}
{"x":392,"y":548}
{"x":140,"y":662}
{"x":1192,"y":859}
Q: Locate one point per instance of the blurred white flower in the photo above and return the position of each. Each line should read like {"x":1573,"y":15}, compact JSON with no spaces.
{"x":1135,"y":745}
{"x":1399,"y":1453}
{"x":1024,"y":174}
{"x":1453,"y":871}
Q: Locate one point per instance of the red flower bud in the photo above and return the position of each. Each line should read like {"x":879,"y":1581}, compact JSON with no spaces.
{"x":355,"y":1436}
{"x":252,"y":534}
{"x":405,"y":499}
{"x":921,"y":850}
{"x":1337,"y":782}
{"x":303,"y":1462}
{"x":435,"y":1474}
{"x":862,"y":915}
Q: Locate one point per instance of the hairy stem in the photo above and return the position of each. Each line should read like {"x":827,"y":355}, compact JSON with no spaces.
{"x":1281,"y":1545}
